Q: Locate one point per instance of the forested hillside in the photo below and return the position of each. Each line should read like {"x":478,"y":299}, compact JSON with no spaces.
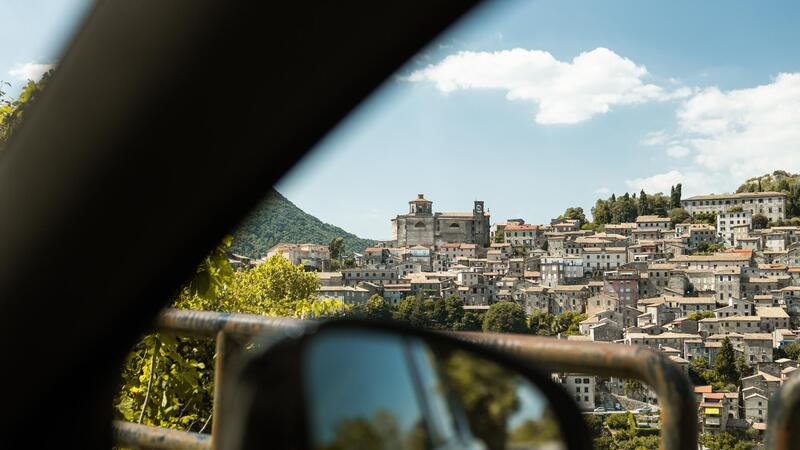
{"x":277,"y":219}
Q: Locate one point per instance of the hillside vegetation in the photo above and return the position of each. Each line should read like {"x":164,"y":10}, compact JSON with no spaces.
{"x":277,"y":219}
{"x":780,"y":181}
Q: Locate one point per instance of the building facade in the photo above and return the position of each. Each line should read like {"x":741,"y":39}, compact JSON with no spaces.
{"x":770,"y":204}
{"x":421,"y":226}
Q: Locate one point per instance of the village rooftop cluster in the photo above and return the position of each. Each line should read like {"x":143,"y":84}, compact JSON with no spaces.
{"x":644,"y":282}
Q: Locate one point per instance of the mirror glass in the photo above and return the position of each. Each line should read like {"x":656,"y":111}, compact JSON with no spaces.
{"x":374,"y":390}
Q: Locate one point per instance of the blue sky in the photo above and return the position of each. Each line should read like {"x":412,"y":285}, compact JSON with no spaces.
{"x":534,"y":106}
{"x":32,"y":36}
{"x":474,"y":143}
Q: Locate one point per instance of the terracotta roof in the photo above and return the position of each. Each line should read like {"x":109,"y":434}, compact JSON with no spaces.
{"x":652,"y":218}
{"x":521,"y":227}
{"x":774,"y":312}
{"x":715,"y":257}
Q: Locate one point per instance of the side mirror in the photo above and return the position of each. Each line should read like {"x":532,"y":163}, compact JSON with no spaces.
{"x":359,"y":385}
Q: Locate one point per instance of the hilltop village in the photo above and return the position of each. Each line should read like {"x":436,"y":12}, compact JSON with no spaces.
{"x":693,"y":290}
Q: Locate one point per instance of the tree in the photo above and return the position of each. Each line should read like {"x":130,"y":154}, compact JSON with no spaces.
{"x":448,"y":312}
{"x":725,"y":363}
{"x":168,"y":381}
{"x":541,"y":323}
{"x":708,"y":218}
{"x":618,"y":422}
{"x":760,"y":221}
{"x":601,"y":212}
{"x":675,"y":196}
{"x":678,"y":215}
{"x":415,"y":311}
{"x":472,"y":321}
{"x":633,"y":388}
{"x":574,"y":214}
{"x":545,"y":324}
{"x":722,"y":441}
{"x":644,"y":207}
{"x":698,"y":371}
{"x":792,"y":351}
{"x":335,"y":247}
{"x":12,"y":111}
{"x":488,"y":392}
{"x":376,"y":308}
{"x":505,"y":317}
{"x":623,"y":210}
{"x":275,"y":287}
{"x":742,"y":369}
{"x":700,"y":315}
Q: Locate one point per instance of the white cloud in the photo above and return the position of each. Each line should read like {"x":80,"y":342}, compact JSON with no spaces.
{"x":655,"y":138}
{"x":29,"y":71}
{"x":734,"y":135}
{"x":677,"y":151}
{"x":602,"y":190}
{"x":565,"y":92}
{"x":746,"y":132}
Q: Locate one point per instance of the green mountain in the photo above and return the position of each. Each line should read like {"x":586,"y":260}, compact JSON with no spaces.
{"x":277,"y":220}
{"x":780,"y":181}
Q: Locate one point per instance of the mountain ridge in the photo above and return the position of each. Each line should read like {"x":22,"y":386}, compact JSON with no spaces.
{"x":276,"y":219}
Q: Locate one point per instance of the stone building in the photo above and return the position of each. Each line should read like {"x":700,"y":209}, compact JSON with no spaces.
{"x":580,"y":386}
{"x":311,"y":256}
{"x":729,"y":222}
{"x":421,"y":226}
{"x":770,"y":204}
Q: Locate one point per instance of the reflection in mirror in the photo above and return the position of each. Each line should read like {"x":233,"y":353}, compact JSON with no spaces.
{"x":376,"y":390}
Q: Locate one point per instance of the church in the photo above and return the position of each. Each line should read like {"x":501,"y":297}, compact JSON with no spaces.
{"x":421,"y":226}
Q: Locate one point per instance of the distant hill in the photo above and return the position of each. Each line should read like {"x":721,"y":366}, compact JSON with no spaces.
{"x":780,"y":181}
{"x":277,"y":219}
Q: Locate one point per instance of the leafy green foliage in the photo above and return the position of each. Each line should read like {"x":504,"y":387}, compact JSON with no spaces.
{"x":376,"y":308}
{"x":277,"y":220}
{"x":12,"y":111}
{"x":698,"y":371}
{"x":618,"y":422}
{"x":436,"y":313}
{"x":633,"y":388}
{"x":544,"y":324}
{"x":708,"y":218}
{"x":708,"y":249}
{"x":760,"y":221}
{"x":574,"y":214}
{"x":168,"y":381}
{"x":678,"y":215}
{"x":472,"y":321}
{"x":619,"y":431}
{"x":723,"y":441}
{"x":700,"y":315}
{"x":505,"y":317}
{"x":336,"y":247}
{"x":489,"y":395}
{"x":725,"y":363}
{"x":791,"y":351}
{"x":626,"y":207}
{"x":675,"y":196}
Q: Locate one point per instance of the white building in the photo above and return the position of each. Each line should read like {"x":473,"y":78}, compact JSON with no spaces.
{"x":770,"y":204}
{"x":726,"y":221}
{"x":580,"y":387}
